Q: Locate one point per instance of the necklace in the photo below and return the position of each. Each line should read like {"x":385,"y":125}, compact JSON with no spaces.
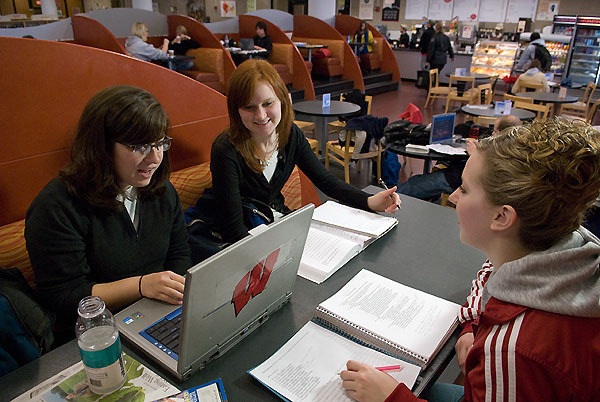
{"x":270,"y":155}
{"x":268,"y":162}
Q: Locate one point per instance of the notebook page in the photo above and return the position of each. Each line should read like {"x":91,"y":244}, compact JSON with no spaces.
{"x":353,"y":219}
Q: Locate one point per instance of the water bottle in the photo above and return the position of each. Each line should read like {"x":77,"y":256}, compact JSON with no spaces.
{"x":226,"y":41}
{"x":99,"y":346}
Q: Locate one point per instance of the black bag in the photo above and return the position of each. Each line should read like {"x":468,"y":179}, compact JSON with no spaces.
{"x":422,"y":79}
{"x":402,"y":132}
{"x":203,"y":228}
{"x":26,"y":327}
{"x":543,"y":55}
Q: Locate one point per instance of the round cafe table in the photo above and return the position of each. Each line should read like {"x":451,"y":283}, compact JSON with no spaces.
{"x":315,"y":108}
{"x":548,"y":97}
{"x":488,"y":111}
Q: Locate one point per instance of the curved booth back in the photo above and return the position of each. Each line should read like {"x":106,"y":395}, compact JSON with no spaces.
{"x":347,"y":25}
{"x":89,"y":32}
{"x":47,"y":84}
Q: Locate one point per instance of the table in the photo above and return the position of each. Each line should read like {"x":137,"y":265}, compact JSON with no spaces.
{"x":548,"y":97}
{"x":308,"y":47}
{"x":461,"y":85}
{"x":480,"y":110}
{"x":426,"y":156}
{"x":176,"y":59}
{"x":242,"y":55}
{"x":412,"y":253}
{"x":556,"y":85}
{"x":315,"y":108}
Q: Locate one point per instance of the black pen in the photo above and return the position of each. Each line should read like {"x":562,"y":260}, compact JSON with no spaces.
{"x":391,"y":195}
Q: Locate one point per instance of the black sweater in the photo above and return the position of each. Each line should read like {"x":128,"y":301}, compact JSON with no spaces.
{"x":233,"y":179}
{"x":73,"y":246}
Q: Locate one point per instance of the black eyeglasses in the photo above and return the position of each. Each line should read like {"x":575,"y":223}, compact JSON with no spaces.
{"x":144,"y":149}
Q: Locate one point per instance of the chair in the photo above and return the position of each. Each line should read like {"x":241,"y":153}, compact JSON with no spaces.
{"x":484,"y":121}
{"x":307,"y":127}
{"x":530,"y":87}
{"x":515,"y":98}
{"x":484,"y":95}
{"x":592,"y":112}
{"x":314,"y":145}
{"x":580,"y":109}
{"x":543,"y":111}
{"x":461,"y":94}
{"x":336,"y":126}
{"x":343,"y":155}
{"x":435,"y":90}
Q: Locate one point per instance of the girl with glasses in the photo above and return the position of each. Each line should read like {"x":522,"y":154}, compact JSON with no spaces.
{"x":111,"y":223}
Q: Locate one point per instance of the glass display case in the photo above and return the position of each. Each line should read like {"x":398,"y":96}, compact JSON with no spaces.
{"x":494,"y":58}
{"x":585,"y":57}
{"x":558,"y":46}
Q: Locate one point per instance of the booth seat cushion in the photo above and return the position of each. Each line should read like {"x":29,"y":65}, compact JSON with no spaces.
{"x":330,"y":67}
{"x":209,"y":63}
{"x":281,"y":58}
{"x":370,"y":61}
{"x":13,"y":252}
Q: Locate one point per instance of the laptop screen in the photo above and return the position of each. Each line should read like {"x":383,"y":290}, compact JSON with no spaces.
{"x":442,"y":128}
{"x":247,"y":43}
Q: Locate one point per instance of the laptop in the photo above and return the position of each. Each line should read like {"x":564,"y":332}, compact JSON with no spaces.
{"x":247,"y":43}
{"x":226,"y":297}
{"x":442,"y":128}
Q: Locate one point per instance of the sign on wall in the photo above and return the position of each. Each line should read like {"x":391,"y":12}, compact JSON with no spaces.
{"x":365,"y":11}
{"x":227,"y":8}
{"x":390,"y":14}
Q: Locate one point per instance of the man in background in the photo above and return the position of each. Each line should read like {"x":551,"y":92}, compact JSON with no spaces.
{"x":529,"y":52}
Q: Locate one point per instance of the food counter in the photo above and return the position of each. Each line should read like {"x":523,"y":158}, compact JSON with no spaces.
{"x":409,"y":62}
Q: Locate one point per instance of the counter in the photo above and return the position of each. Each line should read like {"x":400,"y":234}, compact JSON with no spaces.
{"x":409,"y":62}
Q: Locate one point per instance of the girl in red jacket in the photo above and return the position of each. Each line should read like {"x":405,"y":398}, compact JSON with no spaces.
{"x":531,"y":325}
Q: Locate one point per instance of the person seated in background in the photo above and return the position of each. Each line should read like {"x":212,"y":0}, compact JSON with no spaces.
{"x":404,"y":38}
{"x":256,"y":155}
{"x":533,"y":75}
{"x":262,"y":41}
{"x":529,"y":52}
{"x":429,"y":185}
{"x":111,"y":223}
{"x":365,"y":37}
{"x":532,"y":330}
{"x":136,"y":46}
{"x":182,"y":42}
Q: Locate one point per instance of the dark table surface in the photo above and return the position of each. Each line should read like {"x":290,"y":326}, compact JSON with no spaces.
{"x":315,"y":108}
{"x":548,"y":97}
{"x":423,"y":251}
{"x":479,"y":110}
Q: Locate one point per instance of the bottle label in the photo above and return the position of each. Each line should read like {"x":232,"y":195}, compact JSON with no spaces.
{"x":102,"y":358}
{"x":106,"y":379}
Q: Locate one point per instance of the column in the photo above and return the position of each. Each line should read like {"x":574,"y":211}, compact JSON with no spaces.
{"x":49,"y":8}
{"x":142,"y":4}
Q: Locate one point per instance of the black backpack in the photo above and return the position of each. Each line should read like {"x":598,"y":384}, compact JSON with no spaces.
{"x":543,"y":55}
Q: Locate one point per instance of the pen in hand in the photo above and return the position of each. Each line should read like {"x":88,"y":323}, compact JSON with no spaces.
{"x":396,"y":367}
{"x":382,"y":183}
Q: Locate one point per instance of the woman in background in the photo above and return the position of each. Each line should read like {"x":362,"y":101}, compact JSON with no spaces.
{"x":182,"y":42}
{"x":365,"y":38}
{"x":136,"y":46}
{"x":255,"y":156}
{"x":262,"y":41}
{"x":111,"y":223}
{"x":533,"y":75}
{"x":533,"y":332}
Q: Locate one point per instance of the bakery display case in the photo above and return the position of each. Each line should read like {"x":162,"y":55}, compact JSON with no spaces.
{"x":494,"y":58}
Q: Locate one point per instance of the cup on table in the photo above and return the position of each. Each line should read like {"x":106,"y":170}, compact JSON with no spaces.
{"x":171,"y":53}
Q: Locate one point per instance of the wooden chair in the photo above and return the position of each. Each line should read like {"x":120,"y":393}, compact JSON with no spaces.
{"x":484,"y":94}
{"x":515,"y":98}
{"x":314,"y":145}
{"x":543,"y":111}
{"x":336,"y":126}
{"x":484,"y":121}
{"x":461,"y":93}
{"x":343,"y":155}
{"x":530,"y":87}
{"x":307,"y":127}
{"x":580,"y":108}
{"x":592,"y":111}
{"x":435,"y":90}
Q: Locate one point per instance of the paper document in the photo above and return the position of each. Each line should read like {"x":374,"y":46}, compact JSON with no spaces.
{"x":337,"y":234}
{"x":447,"y":149}
{"x":307,"y":367}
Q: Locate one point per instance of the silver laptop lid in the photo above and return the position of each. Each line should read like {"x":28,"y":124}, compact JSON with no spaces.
{"x":247,"y":43}
{"x":230,"y":294}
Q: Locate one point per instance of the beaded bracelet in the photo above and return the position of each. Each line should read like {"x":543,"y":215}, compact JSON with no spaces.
{"x":140,"y":286}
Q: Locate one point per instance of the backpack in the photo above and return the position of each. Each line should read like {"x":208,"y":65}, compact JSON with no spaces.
{"x":543,"y":55}
{"x":26,"y":326}
{"x":322,"y":53}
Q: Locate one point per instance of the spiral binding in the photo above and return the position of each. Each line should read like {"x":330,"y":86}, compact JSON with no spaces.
{"x":351,"y":330}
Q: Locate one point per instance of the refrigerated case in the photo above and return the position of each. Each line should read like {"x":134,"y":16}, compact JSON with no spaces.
{"x":564,"y":24}
{"x":558,"y":46}
{"x":493,"y":57}
{"x":584,"y":63}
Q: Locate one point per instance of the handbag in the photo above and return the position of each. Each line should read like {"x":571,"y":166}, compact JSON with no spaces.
{"x":203,"y":227}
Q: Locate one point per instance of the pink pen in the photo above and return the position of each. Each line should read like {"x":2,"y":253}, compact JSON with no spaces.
{"x":396,"y":367}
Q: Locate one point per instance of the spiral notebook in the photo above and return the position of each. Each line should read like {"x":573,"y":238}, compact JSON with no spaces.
{"x":389,"y":316}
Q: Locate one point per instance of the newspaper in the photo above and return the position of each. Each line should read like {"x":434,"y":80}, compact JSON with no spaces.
{"x":71,"y":385}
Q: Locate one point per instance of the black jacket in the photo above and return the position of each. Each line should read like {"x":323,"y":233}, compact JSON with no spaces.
{"x":439,"y":49}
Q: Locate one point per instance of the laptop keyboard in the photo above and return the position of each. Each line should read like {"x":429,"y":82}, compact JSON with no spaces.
{"x":165,"y":334}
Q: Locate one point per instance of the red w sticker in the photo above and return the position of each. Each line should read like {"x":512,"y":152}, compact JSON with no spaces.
{"x":254,"y":282}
